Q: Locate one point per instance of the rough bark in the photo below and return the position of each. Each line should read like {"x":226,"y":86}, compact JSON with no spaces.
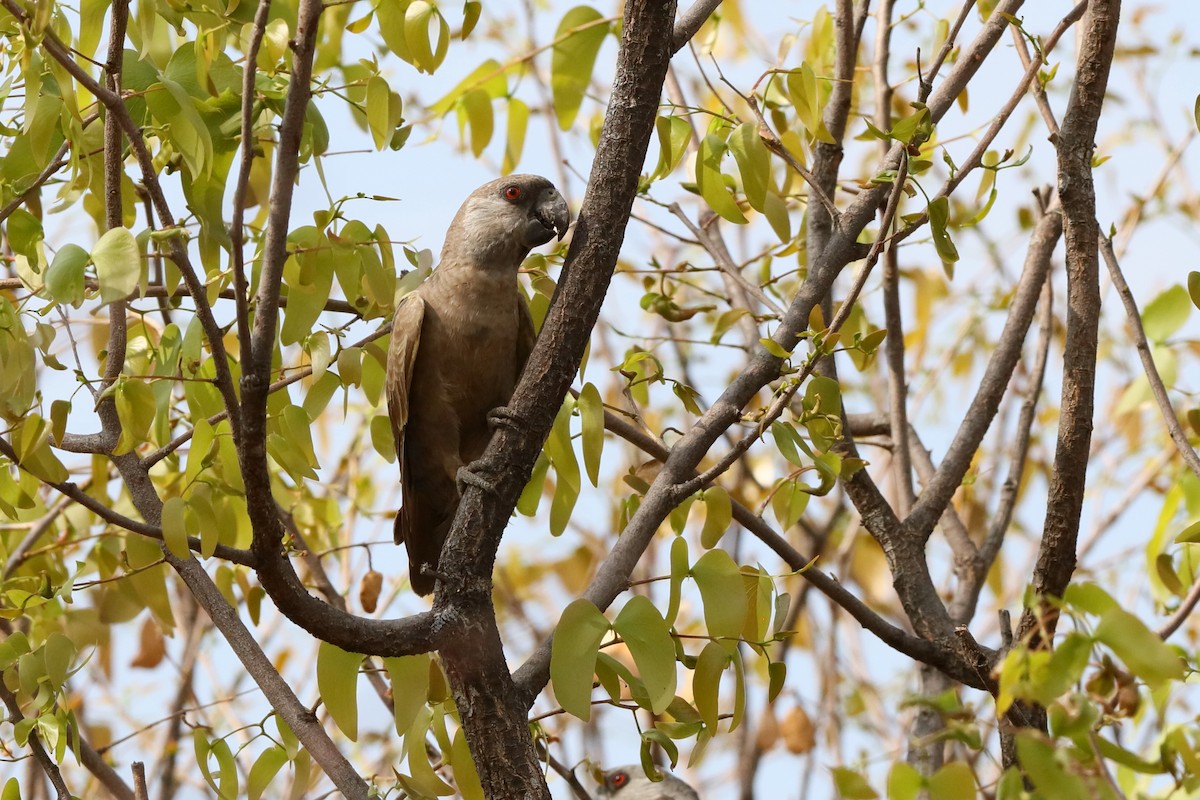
{"x":492,"y":710}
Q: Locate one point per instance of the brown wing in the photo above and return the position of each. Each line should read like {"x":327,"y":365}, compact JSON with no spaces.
{"x":402,"y":357}
{"x":426,"y":436}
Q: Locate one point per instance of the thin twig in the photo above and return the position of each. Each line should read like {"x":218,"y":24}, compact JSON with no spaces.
{"x":1157,"y":388}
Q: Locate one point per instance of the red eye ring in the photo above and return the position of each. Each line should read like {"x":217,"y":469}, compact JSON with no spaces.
{"x":619,"y":779}
{"x":512,"y":193}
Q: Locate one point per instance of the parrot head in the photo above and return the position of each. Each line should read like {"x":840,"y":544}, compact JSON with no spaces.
{"x":501,"y":221}
{"x":630,"y":783}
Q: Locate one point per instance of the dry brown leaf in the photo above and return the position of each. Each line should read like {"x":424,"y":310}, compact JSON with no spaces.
{"x":368,"y":591}
{"x":151,"y":648}
{"x":797,"y":731}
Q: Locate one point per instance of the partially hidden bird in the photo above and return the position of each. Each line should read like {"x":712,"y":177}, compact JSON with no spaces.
{"x":459,"y":344}
{"x":630,"y":783}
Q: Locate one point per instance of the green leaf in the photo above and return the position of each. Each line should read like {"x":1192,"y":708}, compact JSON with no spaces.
{"x":266,"y":766}
{"x":591,"y":414}
{"x":337,"y":682}
{"x":1146,"y":655}
{"x":12,"y":790}
{"x":1037,"y":758}
{"x":476,"y":110}
{"x":673,"y":135}
{"x":1190,"y":534}
{"x":807,"y":99}
{"x":706,"y":683}
{"x":118,"y":264}
{"x":426,"y":55}
{"x":754,"y":163}
{"x":852,"y":785}
{"x":24,"y":230}
{"x":518,"y":124}
{"x":939,"y":217}
{"x":720,"y":584}
{"x":466,"y":776}
{"x":952,"y":782}
{"x":135,"y":408}
{"x":1167,"y":313}
{"x":711,"y":183}
{"x":648,"y":638}
{"x":679,"y":571}
{"x":59,"y":653}
{"x":904,"y":782}
{"x":174,"y":528}
{"x":409,"y":676}
{"x":1193,"y":287}
{"x":774,"y":348}
{"x":64,"y":278}
{"x":718,"y":514}
{"x":378,"y":111}
{"x":573,"y":60}
{"x":573,"y":656}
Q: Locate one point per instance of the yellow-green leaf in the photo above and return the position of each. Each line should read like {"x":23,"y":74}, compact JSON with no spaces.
{"x":648,"y":638}
{"x":951,"y":782}
{"x":711,"y":183}
{"x":720,"y":584}
{"x":118,"y":264}
{"x":591,"y":414}
{"x":409,"y":676}
{"x":1166,"y":313}
{"x":573,"y":59}
{"x":718,"y":514}
{"x":174,"y":527}
{"x":518,"y":124}
{"x":573,"y":656}
{"x":679,"y":571}
{"x":64,"y":278}
{"x":337,"y":681}
{"x":754,"y":163}
{"x":1147,"y":656}
{"x":265,"y":768}
{"x":706,"y":683}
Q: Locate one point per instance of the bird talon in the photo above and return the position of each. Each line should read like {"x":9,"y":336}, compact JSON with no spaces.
{"x":431,"y":571}
{"x":468,"y":477}
{"x":504,"y":417}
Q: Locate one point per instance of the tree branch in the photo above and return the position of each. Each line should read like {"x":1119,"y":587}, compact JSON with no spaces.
{"x":40,"y":755}
{"x":937,"y":492}
{"x":1076,"y":141}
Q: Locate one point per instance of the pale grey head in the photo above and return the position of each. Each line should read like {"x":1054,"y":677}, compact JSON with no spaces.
{"x":631,"y":783}
{"x":501,"y":221}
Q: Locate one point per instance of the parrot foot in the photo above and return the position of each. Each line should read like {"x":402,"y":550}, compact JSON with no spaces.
{"x":468,"y":477}
{"x":504,"y":417}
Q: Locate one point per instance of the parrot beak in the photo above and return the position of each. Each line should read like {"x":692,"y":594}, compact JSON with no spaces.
{"x":553,"y":213}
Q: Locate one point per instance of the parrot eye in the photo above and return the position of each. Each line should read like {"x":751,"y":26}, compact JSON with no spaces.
{"x":512,"y":193}
{"x":620,"y":779}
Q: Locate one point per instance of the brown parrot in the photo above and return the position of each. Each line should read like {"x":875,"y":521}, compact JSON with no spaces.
{"x":459,"y":343}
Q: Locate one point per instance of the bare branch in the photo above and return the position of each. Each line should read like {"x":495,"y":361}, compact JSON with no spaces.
{"x":241,"y":291}
{"x":1170,"y":419}
{"x":1076,"y":190}
{"x":690,"y":21}
{"x":978,"y":418}
{"x":78,"y":495}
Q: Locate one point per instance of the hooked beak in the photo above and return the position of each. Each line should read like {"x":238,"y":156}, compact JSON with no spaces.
{"x":552,"y":212}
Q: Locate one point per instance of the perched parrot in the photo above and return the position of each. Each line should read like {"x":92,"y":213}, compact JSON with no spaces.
{"x":459,"y":343}
{"x":630,"y":783}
